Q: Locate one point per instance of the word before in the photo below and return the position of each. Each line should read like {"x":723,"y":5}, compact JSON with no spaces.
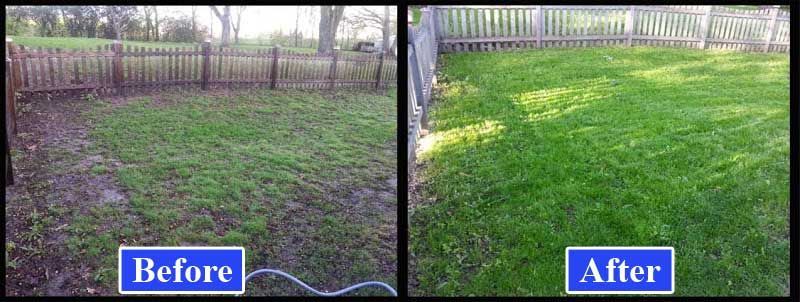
{"x":192,"y":272}
{"x":635,"y":273}
{"x":181,"y":270}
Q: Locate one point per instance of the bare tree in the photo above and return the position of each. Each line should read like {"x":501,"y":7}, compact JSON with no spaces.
{"x":238,"y":26}
{"x":352,"y":27}
{"x":120,"y":17}
{"x":225,"y":20}
{"x":384,"y":23}
{"x":330,"y":16}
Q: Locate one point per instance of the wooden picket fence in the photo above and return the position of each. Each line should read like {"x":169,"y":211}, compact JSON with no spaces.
{"x":117,"y":70}
{"x":422,"y":55}
{"x":488,"y":28}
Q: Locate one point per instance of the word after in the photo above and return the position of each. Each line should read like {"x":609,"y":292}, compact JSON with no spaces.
{"x":620,"y":270}
{"x":181,"y":270}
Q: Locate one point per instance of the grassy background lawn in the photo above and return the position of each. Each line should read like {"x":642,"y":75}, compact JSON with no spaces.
{"x":531,"y":152}
{"x":304,"y":180}
{"x":92,"y":43}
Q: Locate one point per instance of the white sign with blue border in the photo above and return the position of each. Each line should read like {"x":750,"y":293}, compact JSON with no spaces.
{"x":620,"y":270}
{"x":181,"y":270}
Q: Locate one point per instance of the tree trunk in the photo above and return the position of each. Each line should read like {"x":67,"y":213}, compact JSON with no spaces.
{"x":117,"y":31}
{"x":155,"y":11}
{"x":296,"y":25}
{"x":91,"y":29}
{"x":330,"y":16}
{"x":238,"y":25}
{"x":387,"y":31}
{"x":115,"y":22}
{"x":225,"y":20}
{"x":147,"y":23}
{"x":194,"y":26}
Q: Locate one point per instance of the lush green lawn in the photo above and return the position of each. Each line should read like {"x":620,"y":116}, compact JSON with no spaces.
{"x":273,"y":171}
{"x":90,"y":43}
{"x":532,"y":152}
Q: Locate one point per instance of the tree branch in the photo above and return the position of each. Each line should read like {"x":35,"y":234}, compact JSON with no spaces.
{"x":216,"y":12}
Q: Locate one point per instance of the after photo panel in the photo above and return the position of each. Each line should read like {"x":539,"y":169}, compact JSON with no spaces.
{"x":599,"y":150}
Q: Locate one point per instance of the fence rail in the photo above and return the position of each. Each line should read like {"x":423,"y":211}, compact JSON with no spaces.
{"x":114,"y":69}
{"x":487,"y":28}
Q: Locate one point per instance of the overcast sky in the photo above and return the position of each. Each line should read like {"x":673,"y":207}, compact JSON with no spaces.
{"x":266,"y":19}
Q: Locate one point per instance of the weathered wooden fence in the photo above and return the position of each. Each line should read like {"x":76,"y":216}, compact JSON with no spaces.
{"x":10,"y":120}
{"x":422,"y":51}
{"x":114,"y":69}
{"x":489,"y":28}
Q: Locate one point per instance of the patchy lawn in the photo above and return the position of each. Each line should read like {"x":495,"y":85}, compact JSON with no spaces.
{"x":531,"y":152}
{"x":305,"y":181}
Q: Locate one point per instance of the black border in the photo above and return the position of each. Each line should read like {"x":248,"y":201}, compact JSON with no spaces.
{"x":402,"y":163}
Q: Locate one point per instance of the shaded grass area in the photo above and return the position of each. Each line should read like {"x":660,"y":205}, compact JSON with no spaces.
{"x":273,"y":171}
{"x":92,"y":43}
{"x":531,"y":152}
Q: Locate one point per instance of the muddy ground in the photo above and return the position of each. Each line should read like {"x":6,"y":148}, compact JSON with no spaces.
{"x":52,"y":159}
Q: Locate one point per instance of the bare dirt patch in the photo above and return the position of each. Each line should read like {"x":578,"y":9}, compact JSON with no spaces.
{"x":53,"y":164}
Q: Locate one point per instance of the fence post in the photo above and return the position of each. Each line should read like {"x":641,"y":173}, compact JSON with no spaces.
{"x":117,"y":66}
{"x":435,"y":19}
{"x":771,"y":27}
{"x":10,"y":118}
{"x":378,"y":72}
{"x":206,"y":64}
{"x":16,"y":69}
{"x":13,"y":80}
{"x":332,"y":75}
{"x":629,"y":19}
{"x":539,"y":26}
{"x":417,"y":73}
{"x":273,"y":76}
{"x":704,"y":24}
